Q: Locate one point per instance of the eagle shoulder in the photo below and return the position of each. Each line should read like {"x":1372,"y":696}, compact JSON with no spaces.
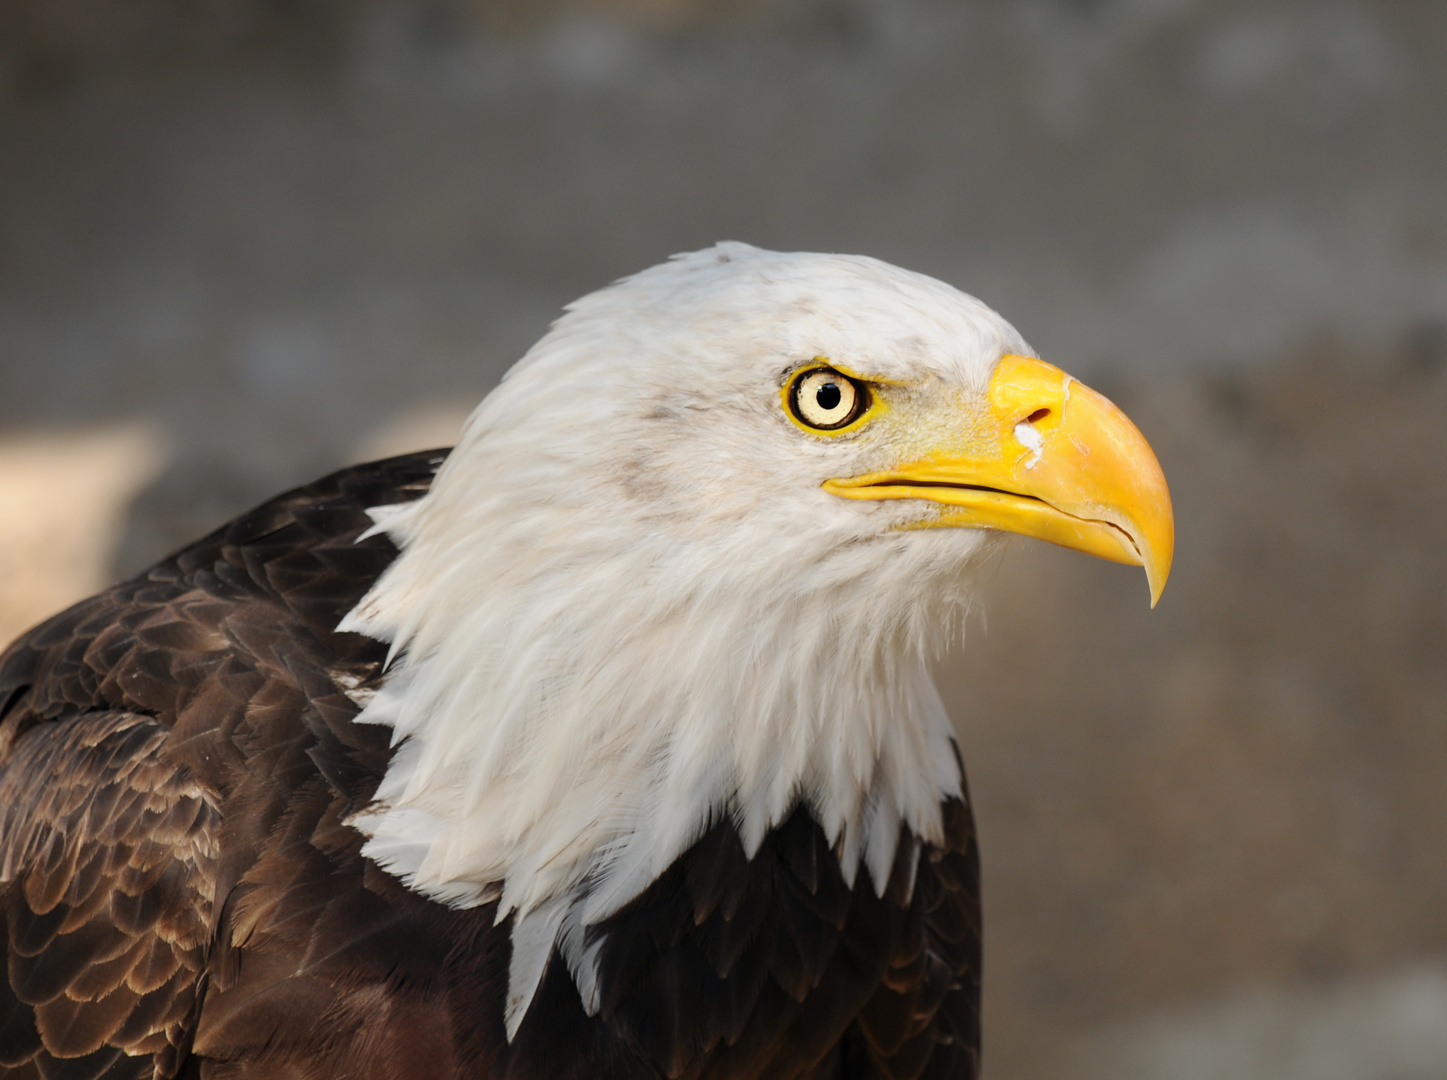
{"x":151,"y":739}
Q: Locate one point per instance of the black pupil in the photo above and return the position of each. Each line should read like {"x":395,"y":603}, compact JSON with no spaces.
{"x":828,"y":397}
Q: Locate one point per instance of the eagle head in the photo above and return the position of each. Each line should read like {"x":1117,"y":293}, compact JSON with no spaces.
{"x":687,"y":565}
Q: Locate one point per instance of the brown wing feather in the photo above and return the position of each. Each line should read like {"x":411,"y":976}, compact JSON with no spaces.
{"x":107,"y":874}
{"x":923,"y":1020}
{"x":774,"y":966}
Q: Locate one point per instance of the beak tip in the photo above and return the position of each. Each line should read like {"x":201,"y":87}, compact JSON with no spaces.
{"x":1156,"y":580}
{"x":1158,"y":545}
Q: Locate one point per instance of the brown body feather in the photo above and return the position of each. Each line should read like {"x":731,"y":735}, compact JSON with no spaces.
{"x":180,"y":895}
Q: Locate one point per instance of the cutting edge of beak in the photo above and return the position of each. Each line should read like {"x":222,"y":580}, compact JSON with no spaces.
{"x":1051,"y":459}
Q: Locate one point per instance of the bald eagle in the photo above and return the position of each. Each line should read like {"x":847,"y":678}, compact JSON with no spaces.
{"x":602,"y":745}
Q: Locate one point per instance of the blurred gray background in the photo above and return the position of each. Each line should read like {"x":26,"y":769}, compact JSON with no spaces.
{"x":243,"y":242}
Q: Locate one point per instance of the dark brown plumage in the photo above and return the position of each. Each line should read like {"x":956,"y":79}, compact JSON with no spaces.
{"x":180,"y":894}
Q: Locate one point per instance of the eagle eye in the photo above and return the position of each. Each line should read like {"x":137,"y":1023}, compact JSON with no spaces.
{"x":825,"y":400}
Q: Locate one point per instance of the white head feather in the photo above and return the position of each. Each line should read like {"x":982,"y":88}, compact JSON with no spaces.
{"x":626,"y":610}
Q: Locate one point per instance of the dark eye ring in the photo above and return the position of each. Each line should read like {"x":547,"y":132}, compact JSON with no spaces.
{"x":826,"y":400}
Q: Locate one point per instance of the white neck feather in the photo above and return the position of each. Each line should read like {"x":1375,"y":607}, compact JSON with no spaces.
{"x":569,"y":727}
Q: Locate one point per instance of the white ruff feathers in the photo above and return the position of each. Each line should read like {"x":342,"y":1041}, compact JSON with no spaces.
{"x":626,"y":610}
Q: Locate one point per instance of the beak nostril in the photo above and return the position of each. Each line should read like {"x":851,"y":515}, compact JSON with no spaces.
{"x":1037,"y":416}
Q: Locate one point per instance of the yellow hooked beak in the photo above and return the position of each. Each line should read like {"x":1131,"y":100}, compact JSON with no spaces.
{"x":1052,"y":459}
